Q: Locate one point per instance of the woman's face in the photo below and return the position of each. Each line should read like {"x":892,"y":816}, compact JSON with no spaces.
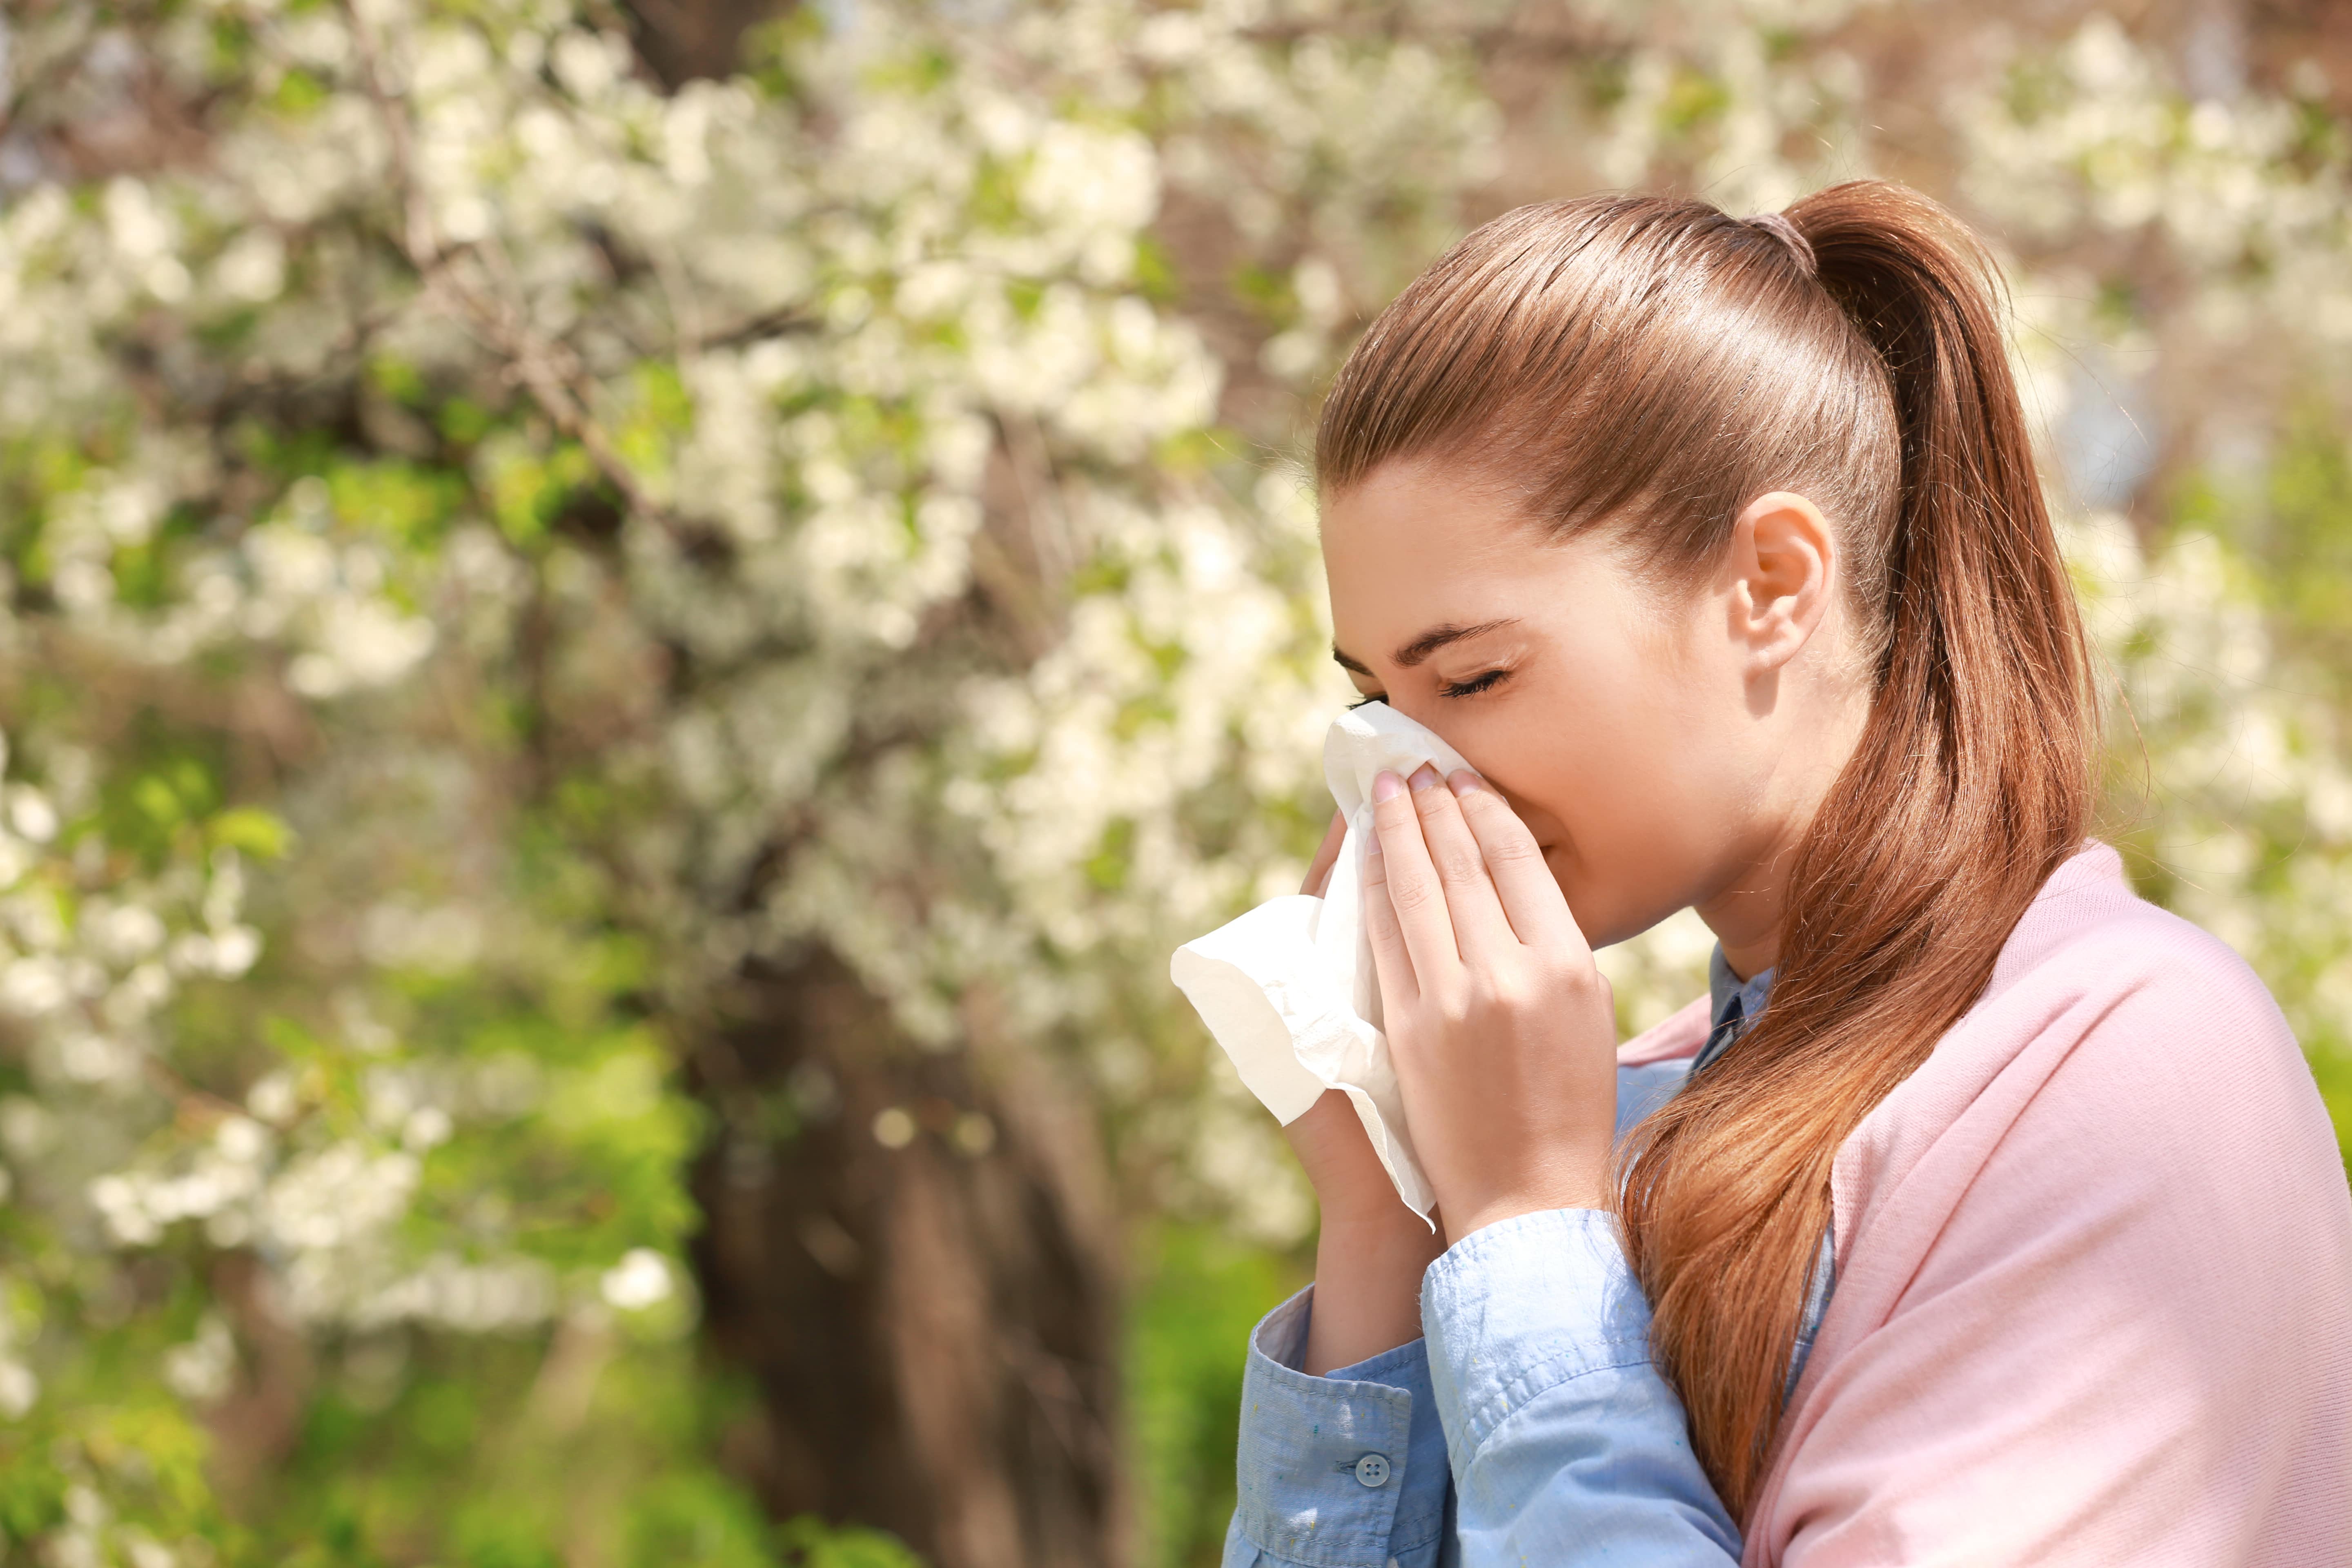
{"x":1649,"y":738}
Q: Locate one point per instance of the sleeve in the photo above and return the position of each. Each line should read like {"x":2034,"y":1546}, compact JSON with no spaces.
{"x":2114,"y":1324}
{"x":1342,"y":1472}
{"x":1567,"y":1443}
{"x":1641,"y":1089}
{"x":1626,"y":1478}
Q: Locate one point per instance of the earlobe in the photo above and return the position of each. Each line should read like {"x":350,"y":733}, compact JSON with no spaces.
{"x":1785,"y":552}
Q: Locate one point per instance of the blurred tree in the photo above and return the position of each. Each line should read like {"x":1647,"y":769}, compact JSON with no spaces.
{"x":624,"y":657}
{"x":921,"y":1276}
{"x":767,"y":534}
{"x":681,"y":40}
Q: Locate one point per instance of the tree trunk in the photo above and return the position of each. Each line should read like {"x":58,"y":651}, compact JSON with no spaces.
{"x":683,"y":39}
{"x":913,"y":1254}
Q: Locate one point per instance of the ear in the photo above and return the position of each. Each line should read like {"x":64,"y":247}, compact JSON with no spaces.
{"x":1785,"y":566}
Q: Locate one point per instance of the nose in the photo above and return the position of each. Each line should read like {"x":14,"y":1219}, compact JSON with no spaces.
{"x":1549,"y":833}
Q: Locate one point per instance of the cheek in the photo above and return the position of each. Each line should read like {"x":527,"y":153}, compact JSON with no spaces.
{"x":1605,"y":793}
{"x":1640,"y":722}
{"x":1611,"y":779}
{"x":1604,"y":749}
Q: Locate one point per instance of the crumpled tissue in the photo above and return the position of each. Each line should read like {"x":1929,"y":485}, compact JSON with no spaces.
{"x":1288,"y":989}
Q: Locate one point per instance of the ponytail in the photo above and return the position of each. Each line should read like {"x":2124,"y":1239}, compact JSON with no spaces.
{"x":1973,"y":780}
{"x":1649,"y":365}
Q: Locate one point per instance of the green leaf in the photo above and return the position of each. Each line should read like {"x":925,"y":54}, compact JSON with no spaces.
{"x":256,"y":832}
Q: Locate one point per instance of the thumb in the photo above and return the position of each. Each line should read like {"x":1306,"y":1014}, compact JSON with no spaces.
{"x":1319,"y":870}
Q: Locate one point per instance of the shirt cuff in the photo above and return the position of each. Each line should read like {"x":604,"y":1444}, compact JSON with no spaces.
{"x":1521,"y":1306}
{"x":1328,"y":1472}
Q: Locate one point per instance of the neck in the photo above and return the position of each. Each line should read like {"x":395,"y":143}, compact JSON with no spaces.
{"x":1748,"y":915}
{"x":1748,"y":911}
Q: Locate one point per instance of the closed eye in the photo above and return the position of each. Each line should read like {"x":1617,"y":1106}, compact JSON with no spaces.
{"x":1474,"y":685}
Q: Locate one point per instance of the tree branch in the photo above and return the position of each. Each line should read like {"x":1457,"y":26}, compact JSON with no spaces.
{"x":549,"y":370}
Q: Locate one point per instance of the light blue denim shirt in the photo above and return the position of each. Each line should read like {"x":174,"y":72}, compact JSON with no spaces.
{"x":1529,"y":1426}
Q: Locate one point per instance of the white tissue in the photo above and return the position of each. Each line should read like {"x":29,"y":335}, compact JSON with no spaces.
{"x":1288,"y":989}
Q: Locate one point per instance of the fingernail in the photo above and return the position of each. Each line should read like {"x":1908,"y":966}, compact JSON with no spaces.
{"x":1463,"y":780}
{"x":1386,"y":785}
{"x":1371,"y":848}
{"x":1424,"y":777}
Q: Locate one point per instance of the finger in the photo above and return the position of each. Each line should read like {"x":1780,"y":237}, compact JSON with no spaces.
{"x":1392,"y":964}
{"x":1530,"y":896}
{"x":1413,"y":886}
{"x":1319,"y":870}
{"x":1480,"y":925}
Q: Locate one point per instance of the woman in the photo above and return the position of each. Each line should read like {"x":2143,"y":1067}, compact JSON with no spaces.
{"x":1985,"y":1213}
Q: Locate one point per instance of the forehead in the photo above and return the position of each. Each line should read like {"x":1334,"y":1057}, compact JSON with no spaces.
{"x":1411,"y":545}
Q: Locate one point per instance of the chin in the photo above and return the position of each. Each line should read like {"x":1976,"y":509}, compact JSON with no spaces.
{"x":1608,"y":916}
{"x":1601,"y":934}
{"x":1597,"y":915}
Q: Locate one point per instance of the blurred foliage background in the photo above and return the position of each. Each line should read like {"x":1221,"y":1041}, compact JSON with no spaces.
{"x":630,"y":631}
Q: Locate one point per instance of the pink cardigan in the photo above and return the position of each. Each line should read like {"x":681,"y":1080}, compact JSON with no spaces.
{"x":2094,"y":1299}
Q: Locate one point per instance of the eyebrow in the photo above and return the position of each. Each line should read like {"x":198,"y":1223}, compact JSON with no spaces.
{"x":1429,"y":642}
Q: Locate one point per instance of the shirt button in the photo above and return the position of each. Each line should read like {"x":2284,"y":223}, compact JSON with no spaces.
{"x":1372,"y":1470}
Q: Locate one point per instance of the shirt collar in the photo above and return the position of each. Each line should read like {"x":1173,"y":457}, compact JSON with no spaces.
{"x":1722,"y":985}
{"x":1731,"y":999}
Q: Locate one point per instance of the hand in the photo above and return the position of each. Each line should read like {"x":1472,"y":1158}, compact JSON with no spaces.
{"x":1503,"y":1031}
{"x":1330,"y":1142}
{"x":1326,"y":855}
{"x":1371,"y":1250}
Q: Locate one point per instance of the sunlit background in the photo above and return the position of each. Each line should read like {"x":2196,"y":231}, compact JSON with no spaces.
{"x":631,"y":629}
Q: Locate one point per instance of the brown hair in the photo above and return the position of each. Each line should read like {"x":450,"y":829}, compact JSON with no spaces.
{"x":1650,"y":365}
